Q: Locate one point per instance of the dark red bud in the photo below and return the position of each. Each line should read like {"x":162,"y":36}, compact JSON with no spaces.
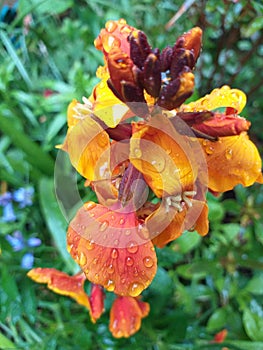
{"x":139,"y":47}
{"x":152,"y":75}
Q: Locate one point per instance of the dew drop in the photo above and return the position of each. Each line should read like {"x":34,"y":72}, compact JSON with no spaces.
{"x":158,"y":165}
{"x":148,"y":261}
{"x":110,"y":286}
{"x":90,"y":245}
{"x":137,"y":152}
{"x":90,"y":205}
{"x":129,"y":261}
{"x":111,"y":26}
{"x":95,"y":261}
{"x":209,"y":149}
{"x":114,"y":253}
{"x":122,"y":221}
{"x":135,"y":289}
{"x":96,"y":276}
{"x":82,"y":259}
{"x":229,"y":153}
{"x":110,"y":269}
{"x":116,"y":242}
{"x":104,"y":225}
{"x":135,"y":272}
{"x":127,"y":232}
{"x":132,"y":247}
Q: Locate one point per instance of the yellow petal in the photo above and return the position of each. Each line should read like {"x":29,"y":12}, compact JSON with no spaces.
{"x":221,"y":97}
{"x":231,"y":161}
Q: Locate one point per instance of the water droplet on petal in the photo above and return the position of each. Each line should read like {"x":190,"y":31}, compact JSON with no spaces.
{"x":110,"y":286}
{"x":104,"y":225}
{"x":96,"y":276}
{"x":129,"y":261}
{"x":132,"y":247}
{"x":122,"y":221}
{"x":209,"y":149}
{"x":111,"y":26}
{"x":137,"y":152}
{"x":82,"y":259}
{"x":148,"y":261}
{"x":158,"y":164}
{"x":229,"y":153}
{"x":135,"y":289}
{"x":114,"y":253}
{"x":116,"y":242}
{"x":110,"y":269}
{"x":127,"y":232}
{"x":90,"y":245}
{"x":135,"y":271}
{"x":90,"y":205}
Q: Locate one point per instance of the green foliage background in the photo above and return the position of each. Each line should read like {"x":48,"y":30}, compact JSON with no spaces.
{"x":203,"y":285}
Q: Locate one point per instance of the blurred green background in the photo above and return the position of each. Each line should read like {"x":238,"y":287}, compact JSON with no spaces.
{"x":203,"y":285}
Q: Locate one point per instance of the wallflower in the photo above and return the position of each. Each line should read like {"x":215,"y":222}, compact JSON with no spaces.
{"x":149,"y":140}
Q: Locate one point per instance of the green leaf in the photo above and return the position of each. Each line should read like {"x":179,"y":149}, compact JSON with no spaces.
{"x":245,"y":345}
{"x":6,"y":344}
{"x":255,"y":285}
{"x":35,"y":155}
{"x":188,"y":241}
{"x":55,"y":220}
{"x":217,"y":320}
{"x":253,"y":324}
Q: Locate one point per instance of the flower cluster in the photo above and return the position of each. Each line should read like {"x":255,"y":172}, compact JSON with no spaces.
{"x":22,"y":196}
{"x":150,"y":159}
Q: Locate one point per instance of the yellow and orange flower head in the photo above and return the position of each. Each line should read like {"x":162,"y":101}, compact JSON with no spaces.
{"x":134,"y":136}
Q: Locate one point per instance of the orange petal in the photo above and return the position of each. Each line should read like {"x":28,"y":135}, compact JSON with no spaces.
{"x":165,"y":158}
{"x":115,"y":34}
{"x":86,"y":144}
{"x":125,"y":316}
{"x":109,"y":247}
{"x":221,"y":97}
{"x":231,"y":161}
{"x":96,"y":301}
{"x":61,"y":283}
{"x":71,"y":113}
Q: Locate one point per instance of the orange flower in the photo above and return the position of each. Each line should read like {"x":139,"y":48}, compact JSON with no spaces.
{"x":125,"y":316}
{"x":111,"y":249}
{"x":71,"y":286}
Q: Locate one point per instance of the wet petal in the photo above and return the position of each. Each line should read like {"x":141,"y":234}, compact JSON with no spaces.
{"x":125,"y":316}
{"x":221,"y":97}
{"x":97,"y":301}
{"x":115,"y":34}
{"x":61,"y":283}
{"x":231,"y":161}
{"x":71,"y":113}
{"x":86,"y":144}
{"x":109,"y":247}
{"x":167,"y":165}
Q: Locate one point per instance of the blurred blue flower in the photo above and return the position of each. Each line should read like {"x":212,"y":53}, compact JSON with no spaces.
{"x":23,"y":196}
{"x":18,"y":243}
{"x":27,"y":261}
{"x":8,"y":213}
{"x":5,"y":198}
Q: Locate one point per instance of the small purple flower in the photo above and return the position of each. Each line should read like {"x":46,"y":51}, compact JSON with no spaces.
{"x":23,"y":196}
{"x":8,"y":213}
{"x":27,"y":261}
{"x":18,"y":243}
{"x":5,"y":198}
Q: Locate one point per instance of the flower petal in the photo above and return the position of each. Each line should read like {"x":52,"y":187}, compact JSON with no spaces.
{"x":61,"y":283}
{"x":109,"y":247}
{"x":115,"y":35}
{"x":231,"y":161}
{"x":167,"y":165}
{"x":221,"y":97}
{"x":96,"y":301}
{"x":125,"y":316}
{"x":86,"y":144}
